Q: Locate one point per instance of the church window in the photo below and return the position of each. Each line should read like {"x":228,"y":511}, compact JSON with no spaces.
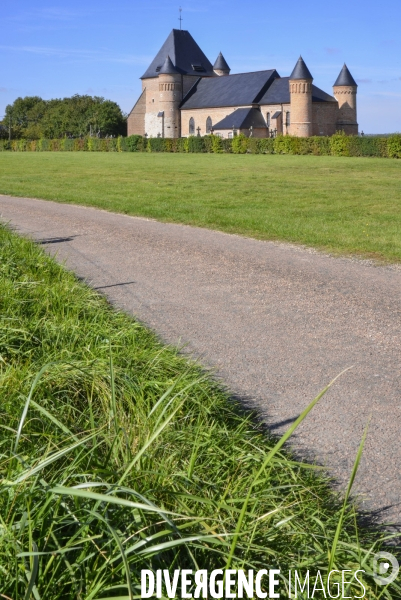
{"x":268,"y":119}
{"x":208,"y":125}
{"x":287,"y":118}
{"x":191,"y":126}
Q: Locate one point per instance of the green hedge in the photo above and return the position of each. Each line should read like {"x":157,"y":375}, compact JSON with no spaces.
{"x":336,"y":145}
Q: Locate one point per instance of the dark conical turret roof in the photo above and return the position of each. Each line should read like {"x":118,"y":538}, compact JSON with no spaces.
{"x":185,"y":54}
{"x":168,"y":67}
{"x":345,"y":77}
{"x":301,"y":71}
{"x":221,"y":64}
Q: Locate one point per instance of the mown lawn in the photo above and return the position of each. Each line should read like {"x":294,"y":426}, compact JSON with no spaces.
{"x":342,"y":205}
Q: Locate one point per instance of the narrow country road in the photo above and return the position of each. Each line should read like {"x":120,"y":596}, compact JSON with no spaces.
{"x":276,"y":321}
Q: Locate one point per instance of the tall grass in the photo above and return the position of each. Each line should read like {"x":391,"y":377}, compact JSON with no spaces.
{"x":116,"y":455}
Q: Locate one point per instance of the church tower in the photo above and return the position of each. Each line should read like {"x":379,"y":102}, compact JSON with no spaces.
{"x":221,"y":67}
{"x":301,"y":100}
{"x":172,"y":73}
{"x":170,"y":95}
{"x":344,"y":90}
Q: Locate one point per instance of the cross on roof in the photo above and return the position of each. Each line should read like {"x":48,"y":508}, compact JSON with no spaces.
{"x":180,"y":17}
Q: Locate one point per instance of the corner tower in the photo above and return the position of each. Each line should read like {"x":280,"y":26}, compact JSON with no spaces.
{"x":221,"y":67}
{"x":345,"y":90}
{"x":170,"y":95}
{"x":300,"y":82}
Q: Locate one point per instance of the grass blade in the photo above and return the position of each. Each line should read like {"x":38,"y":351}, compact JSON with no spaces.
{"x":48,"y":460}
{"x":345,"y":503}
{"x":266,"y":461}
{"x":34,"y":573}
{"x":28,"y":400}
{"x":80,"y":493}
{"x":152,"y":438}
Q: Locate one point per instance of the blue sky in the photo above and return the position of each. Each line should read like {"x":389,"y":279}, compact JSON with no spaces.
{"x":55,"y":49}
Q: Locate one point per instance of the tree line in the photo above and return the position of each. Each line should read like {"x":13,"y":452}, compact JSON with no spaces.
{"x":79,"y":116}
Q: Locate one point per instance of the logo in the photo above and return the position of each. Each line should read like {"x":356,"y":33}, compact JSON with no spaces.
{"x":385,"y":568}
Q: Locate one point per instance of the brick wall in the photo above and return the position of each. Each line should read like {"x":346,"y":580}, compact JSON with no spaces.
{"x":301,"y":107}
{"x":152,"y":94}
{"x":153,"y":123}
{"x":271,"y":109}
{"x":163,"y":94}
{"x":324,"y":118}
{"x":136,"y":118}
{"x":170,"y":96}
{"x":200,"y":115}
{"x":228,"y":133}
{"x":347,"y":120}
{"x":221,"y":73}
{"x":256,"y":132}
{"x":278,"y":124}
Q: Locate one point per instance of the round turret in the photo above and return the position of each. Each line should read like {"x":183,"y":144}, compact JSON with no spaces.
{"x":301,"y":100}
{"x":345,"y":90}
{"x":170,"y":96}
{"x":221,"y":67}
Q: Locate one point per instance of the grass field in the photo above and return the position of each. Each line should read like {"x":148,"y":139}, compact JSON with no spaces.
{"x":342,"y":205}
{"x":117,"y":455}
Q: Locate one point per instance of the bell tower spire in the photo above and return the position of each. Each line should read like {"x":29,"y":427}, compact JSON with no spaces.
{"x":221,"y":67}
{"x":344,"y":90}
{"x":301,"y":100}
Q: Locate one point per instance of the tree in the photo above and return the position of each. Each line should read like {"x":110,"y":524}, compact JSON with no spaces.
{"x":79,"y":116}
{"x":18,"y":114}
{"x":3,"y":130}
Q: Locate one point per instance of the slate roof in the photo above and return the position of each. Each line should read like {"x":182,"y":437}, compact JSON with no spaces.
{"x":241,"y":89}
{"x":300,"y":70}
{"x":319,"y":95}
{"x":242,"y":118}
{"x":184,"y":52}
{"x":221,"y":63}
{"x":345,"y":77}
{"x":168,"y":67}
{"x":279,"y":93}
{"x":181,"y":54}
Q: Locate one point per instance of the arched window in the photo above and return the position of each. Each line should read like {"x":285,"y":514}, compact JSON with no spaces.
{"x":268,"y":119}
{"x":287,"y":118}
{"x":191,"y":126}
{"x":208,"y":125}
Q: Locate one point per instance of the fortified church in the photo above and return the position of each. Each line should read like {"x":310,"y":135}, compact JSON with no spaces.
{"x":184,"y":94}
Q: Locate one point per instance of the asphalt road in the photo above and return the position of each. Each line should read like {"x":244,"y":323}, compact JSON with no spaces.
{"x":277,"y":322}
